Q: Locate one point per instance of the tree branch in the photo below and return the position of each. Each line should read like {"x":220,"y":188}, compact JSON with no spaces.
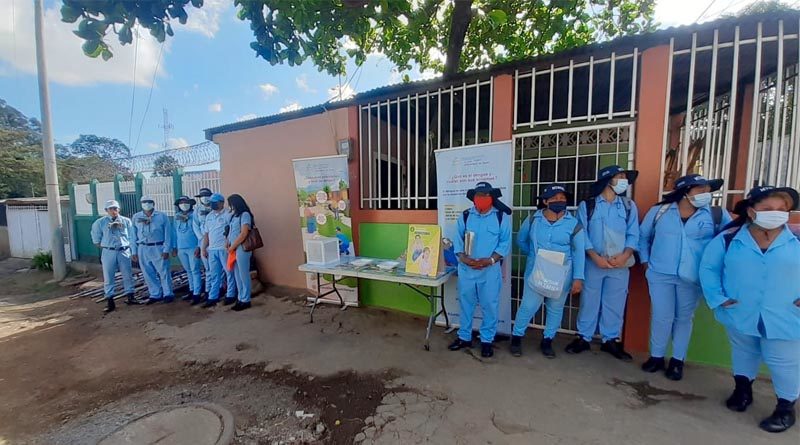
{"x":459,"y":23}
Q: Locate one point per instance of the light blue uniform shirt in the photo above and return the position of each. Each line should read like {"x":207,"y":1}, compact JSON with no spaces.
{"x":765,"y":285}
{"x":183,"y":233}
{"x":613,"y":217}
{"x":153,"y":229}
{"x":108,"y":236}
{"x":237,"y":222}
{"x":199,"y":218}
{"x":214,"y":227}
{"x":490,"y":237}
{"x":672,"y":247}
{"x":559,"y":236}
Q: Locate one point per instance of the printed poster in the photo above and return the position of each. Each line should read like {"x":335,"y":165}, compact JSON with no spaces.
{"x":457,"y":171}
{"x":324,"y":209}
{"x":422,"y":254}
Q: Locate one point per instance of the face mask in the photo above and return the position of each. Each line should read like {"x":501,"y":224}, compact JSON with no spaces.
{"x":184,"y":207}
{"x":204,"y":200}
{"x":147,"y":206}
{"x":621,"y":186}
{"x":483,"y":203}
{"x":216,"y":206}
{"x":771,"y":219}
{"x":557,"y":207}
{"x":700,"y":200}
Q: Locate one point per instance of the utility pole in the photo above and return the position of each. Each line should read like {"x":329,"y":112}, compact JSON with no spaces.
{"x":50,"y":167}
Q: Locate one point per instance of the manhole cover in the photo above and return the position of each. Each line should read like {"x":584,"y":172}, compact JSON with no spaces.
{"x":200,"y":424}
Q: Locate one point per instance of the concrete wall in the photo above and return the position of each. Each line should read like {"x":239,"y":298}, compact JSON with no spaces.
{"x":5,"y":247}
{"x":257,"y":164}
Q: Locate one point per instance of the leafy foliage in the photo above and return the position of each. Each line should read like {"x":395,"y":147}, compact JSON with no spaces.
{"x":329,"y":32}
{"x":42,"y":261}
{"x":165,"y":165}
{"x":103,"y":147}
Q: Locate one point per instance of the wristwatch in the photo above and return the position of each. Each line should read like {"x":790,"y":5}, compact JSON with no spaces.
{"x":493,"y":261}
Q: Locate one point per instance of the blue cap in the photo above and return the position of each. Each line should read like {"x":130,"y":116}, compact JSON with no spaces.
{"x":554,"y":189}
{"x":760,"y":192}
{"x":216,"y":197}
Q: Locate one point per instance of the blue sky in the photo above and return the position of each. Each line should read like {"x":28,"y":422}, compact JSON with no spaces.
{"x":206,"y":76}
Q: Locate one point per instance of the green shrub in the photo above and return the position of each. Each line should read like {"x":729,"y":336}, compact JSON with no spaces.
{"x":43,"y":261}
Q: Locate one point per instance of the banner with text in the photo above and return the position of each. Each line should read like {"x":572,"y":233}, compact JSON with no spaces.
{"x":324,"y":209}
{"x":457,"y":171}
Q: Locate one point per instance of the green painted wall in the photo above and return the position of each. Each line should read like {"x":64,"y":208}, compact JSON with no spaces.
{"x":83,"y":239}
{"x":709,"y":341}
{"x":387,"y":241}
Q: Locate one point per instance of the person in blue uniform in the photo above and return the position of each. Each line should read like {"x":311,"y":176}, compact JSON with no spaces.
{"x":112,"y":233}
{"x":611,"y":226}
{"x":150,"y":245}
{"x":240,"y":225}
{"x":550,"y":229}
{"x":673,"y":236}
{"x":749,"y":274}
{"x":480,"y":277}
{"x":199,"y":217}
{"x":186,"y":246}
{"x":215,"y":246}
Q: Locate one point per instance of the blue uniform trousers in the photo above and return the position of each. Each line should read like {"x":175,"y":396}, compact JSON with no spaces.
{"x":605,"y":292}
{"x":531,"y":301}
{"x":156,"y":272}
{"x":113,"y":260}
{"x":673,"y":303}
{"x":782,"y":357}
{"x":191,"y":265}
{"x":484,"y":291}
{"x":242,"y":274}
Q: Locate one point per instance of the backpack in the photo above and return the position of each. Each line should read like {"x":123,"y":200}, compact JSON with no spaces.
{"x":591,"y":203}
{"x":716,"y":216}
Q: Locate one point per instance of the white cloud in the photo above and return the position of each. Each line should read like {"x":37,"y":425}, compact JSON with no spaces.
{"x":206,"y":19}
{"x":684,"y":12}
{"x":215,"y":107}
{"x":66,"y":62}
{"x":268,"y":89}
{"x":302,"y":83}
{"x":340,"y":92}
{"x":177,"y":143}
{"x":246,"y":117}
{"x":290,"y":107}
{"x":153,"y":145}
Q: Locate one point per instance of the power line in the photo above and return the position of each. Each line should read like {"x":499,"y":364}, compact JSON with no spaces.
{"x":149,"y":96}
{"x":705,"y":10}
{"x":133,"y":81}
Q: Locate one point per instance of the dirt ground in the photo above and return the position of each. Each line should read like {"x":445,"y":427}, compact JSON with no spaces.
{"x":69,"y":375}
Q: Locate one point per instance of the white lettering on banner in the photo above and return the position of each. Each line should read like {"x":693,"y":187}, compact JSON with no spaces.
{"x":457,"y":171}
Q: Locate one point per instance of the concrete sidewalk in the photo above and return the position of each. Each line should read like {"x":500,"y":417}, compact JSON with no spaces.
{"x":448,"y":397}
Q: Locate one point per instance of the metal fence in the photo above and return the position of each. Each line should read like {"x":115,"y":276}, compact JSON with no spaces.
{"x":192,"y":182}
{"x":161,"y":189}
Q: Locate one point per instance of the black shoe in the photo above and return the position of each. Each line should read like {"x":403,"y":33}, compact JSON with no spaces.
{"x":110,"y":306}
{"x":487,"y":350}
{"x":196,"y":299}
{"x":459,"y":344}
{"x":187,"y":297}
{"x":240,"y":306}
{"x":653,"y":364}
{"x":152,"y":301}
{"x":614,"y":347}
{"x":675,"y":369}
{"x":228,"y":301}
{"x":169,"y":299}
{"x":547,"y":348}
{"x":742,"y":395}
{"x":516,"y":346}
{"x":781,"y":419}
{"x":209,"y":303}
{"x":578,"y":345}
{"x":130,"y":300}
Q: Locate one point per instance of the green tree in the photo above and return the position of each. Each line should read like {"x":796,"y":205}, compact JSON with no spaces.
{"x":474,"y":33}
{"x":102,"y":147}
{"x":165,"y":165}
{"x":21,"y":166}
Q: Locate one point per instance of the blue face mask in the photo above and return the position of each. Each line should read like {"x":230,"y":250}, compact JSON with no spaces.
{"x":557,"y":207}
{"x":700,"y":200}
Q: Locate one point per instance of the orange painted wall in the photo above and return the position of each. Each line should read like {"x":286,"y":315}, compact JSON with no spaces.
{"x":503,"y":108}
{"x":647,"y":155}
{"x":257,"y":163}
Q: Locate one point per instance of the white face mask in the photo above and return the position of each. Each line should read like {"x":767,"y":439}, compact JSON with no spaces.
{"x":621,"y":186}
{"x":204,"y":200}
{"x":147,"y":206}
{"x":700,"y":200}
{"x":184,"y":207}
{"x":771,"y":219}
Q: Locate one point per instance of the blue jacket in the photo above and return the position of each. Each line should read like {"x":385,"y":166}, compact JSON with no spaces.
{"x":490,"y":237}
{"x":154,"y":229}
{"x":559,"y":236}
{"x":765,"y":285}
{"x":183,"y":234}
{"x":614,"y":218}
{"x":674,"y":248}
{"x":214,"y":226}
{"x":108,"y":236}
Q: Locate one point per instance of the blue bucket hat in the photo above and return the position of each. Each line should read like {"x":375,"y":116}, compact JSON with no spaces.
{"x":185,"y":198}
{"x":686,"y":183}
{"x":204,"y":192}
{"x":554,"y":189}
{"x":605,"y":174}
{"x":760,"y":192}
{"x":483,"y":187}
{"x":216,"y":197}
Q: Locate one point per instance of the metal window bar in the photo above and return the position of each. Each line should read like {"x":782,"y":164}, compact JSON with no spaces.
{"x":392,"y":144}
{"x":161,"y":190}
